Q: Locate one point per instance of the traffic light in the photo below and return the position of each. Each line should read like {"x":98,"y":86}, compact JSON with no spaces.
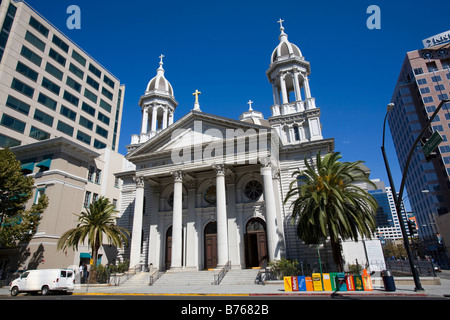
{"x":412,"y":227}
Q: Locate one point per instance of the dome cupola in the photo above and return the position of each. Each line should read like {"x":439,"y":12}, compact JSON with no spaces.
{"x":159,"y":83}
{"x":285,"y":49}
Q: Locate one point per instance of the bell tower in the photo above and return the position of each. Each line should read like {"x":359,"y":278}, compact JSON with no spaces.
{"x":158,"y":105}
{"x":294,"y":112}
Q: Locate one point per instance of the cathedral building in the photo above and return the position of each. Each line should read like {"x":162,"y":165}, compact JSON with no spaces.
{"x":207,"y":190}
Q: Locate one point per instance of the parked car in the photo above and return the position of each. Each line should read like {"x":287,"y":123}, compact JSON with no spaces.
{"x":44,"y":281}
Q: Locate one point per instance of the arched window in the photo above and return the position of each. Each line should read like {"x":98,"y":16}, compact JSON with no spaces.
{"x":296,"y":133}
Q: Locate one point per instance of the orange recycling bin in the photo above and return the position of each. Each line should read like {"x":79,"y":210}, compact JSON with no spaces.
{"x":309,"y":284}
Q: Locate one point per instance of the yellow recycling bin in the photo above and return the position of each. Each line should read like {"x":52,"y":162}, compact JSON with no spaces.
{"x":287,"y":284}
{"x":327,"y":282}
{"x":317,"y":282}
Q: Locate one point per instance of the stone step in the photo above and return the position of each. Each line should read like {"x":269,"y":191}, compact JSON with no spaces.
{"x":186,"y":278}
{"x":240,"y":276}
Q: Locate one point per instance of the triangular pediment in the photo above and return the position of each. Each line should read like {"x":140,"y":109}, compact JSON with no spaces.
{"x":196,"y":128}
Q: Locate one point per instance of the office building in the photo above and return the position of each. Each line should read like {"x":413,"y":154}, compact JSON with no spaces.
{"x":424,"y":82}
{"x":60,"y":113}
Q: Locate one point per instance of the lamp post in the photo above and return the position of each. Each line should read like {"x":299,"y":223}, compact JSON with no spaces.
{"x":418,"y":285}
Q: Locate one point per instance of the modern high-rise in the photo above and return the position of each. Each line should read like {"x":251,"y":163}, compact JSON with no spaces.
{"x":60,"y":113}
{"x":423,"y":83}
{"x":50,"y":87}
{"x":388,"y":225}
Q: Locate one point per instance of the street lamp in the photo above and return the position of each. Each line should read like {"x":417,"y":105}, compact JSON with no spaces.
{"x":402,"y":185}
{"x":398,"y":208}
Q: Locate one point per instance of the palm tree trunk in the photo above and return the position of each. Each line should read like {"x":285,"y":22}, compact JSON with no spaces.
{"x":337,"y":254}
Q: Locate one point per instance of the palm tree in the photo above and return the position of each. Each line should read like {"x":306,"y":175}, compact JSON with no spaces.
{"x":327,"y":202}
{"x":98,"y":221}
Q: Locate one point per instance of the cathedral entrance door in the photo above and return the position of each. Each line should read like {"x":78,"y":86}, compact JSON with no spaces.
{"x":255,"y":243}
{"x":211,"y":245}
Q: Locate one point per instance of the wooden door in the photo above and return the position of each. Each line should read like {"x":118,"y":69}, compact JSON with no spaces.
{"x":211,"y":251}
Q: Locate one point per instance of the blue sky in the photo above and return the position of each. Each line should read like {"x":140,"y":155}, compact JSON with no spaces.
{"x":223,"y":48}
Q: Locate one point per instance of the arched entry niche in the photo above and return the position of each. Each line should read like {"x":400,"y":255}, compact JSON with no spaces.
{"x":210,"y":243}
{"x":255,"y":243}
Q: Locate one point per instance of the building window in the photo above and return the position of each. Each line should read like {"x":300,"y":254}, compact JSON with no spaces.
{"x":436,"y":78}
{"x":46,"y":101}
{"x":26,"y":71}
{"x":18,"y":105}
{"x":71,"y":98}
{"x":210,"y":195}
{"x":424,"y":90}
{"x":78,"y":58}
{"x":7,"y":142}
{"x":35,"y":41}
{"x":22,"y":88}
{"x":86,"y":123}
{"x":94,"y":70}
{"x":421,"y":81}
{"x":50,"y":86}
{"x":98,"y":174}
{"x":57,"y":57}
{"x":61,"y":44}
{"x":91,"y":173}
{"x":43,"y":117}
{"x":88,"y":109}
{"x":418,"y":71}
{"x":39,"y":134}
{"x":13,"y":123}
{"x":38,"y":26}
{"x":30,"y":55}
{"x":58,"y":74}
{"x":68,"y":113}
{"x":87,"y":199}
{"x":83,"y":137}
{"x":65,"y":128}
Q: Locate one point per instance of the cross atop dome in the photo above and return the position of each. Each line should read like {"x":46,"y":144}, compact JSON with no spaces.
{"x":281,"y":23}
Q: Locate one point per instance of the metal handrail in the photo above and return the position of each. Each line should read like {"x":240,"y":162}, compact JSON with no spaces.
{"x":155,"y":276}
{"x":218,"y":277}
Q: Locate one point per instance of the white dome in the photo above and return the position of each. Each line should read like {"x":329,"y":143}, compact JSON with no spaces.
{"x":285,"y":49}
{"x":160,"y":83}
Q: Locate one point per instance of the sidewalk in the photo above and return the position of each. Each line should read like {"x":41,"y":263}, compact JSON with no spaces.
{"x":276,"y":289}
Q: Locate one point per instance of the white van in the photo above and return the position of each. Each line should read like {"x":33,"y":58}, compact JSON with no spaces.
{"x":45,"y":281}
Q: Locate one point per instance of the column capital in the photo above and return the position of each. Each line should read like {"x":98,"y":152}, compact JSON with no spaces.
{"x":177,"y":175}
{"x":140,"y":181}
{"x":219,"y":168}
{"x":265,"y":162}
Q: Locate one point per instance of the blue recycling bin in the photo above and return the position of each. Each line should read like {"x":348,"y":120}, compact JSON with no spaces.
{"x":341,"y":285}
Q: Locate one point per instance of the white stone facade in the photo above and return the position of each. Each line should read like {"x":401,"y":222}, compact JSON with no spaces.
{"x":206,"y":190}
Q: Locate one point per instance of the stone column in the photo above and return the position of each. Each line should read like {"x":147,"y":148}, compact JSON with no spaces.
{"x":155,"y":237}
{"x":164,"y":121}
{"x":271,"y":210}
{"x":283,"y":90}
{"x":144,"y":120}
{"x":154,"y":115}
{"x":177,"y":223}
{"x":192,"y":238}
{"x":222,"y":221}
{"x":136,"y":236}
